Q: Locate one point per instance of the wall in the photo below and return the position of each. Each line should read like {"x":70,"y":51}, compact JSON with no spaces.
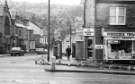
{"x":102,"y":21}
{"x":102,"y":11}
{"x":90,"y":13}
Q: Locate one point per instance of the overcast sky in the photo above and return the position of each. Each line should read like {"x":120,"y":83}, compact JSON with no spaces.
{"x":63,"y":2}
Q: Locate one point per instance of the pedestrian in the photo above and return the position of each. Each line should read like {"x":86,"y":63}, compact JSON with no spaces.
{"x":68,"y":52}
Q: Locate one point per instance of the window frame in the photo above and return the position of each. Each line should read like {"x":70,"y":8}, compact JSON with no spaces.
{"x":117,"y":16}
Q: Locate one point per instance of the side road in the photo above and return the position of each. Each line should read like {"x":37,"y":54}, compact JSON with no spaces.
{"x":4,"y":55}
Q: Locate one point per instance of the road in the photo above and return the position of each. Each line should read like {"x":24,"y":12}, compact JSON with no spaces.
{"x":22,"y":70}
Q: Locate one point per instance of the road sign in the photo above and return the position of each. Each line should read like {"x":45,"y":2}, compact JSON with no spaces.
{"x":99,"y":46}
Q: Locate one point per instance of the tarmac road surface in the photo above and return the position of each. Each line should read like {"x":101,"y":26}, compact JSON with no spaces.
{"x":22,"y":70}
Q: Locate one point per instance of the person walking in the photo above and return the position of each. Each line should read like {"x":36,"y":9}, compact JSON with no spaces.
{"x":68,"y":52}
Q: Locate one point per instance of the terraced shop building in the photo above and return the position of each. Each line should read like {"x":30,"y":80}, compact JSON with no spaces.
{"x":114,"y":25}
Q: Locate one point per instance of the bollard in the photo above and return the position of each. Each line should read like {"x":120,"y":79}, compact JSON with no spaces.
{"x":53,"y":63}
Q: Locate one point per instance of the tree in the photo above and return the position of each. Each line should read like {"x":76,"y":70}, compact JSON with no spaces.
{"x":37,"y":13}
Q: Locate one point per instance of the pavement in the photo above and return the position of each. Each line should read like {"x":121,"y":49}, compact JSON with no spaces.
{"x":63,"y":68}
{"x":88,"y":66}
{"x":84,"y":67}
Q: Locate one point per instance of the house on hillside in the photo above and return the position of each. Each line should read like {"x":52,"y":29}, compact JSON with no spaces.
{"x":37,"y":33}
{"x":30,"y":34}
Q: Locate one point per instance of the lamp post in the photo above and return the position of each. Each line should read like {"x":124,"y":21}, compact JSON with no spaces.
{"x":48,"y":58}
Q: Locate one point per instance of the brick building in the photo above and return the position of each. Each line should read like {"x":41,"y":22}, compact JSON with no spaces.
{"x":114,"y":25}
{"x":27,"y":33}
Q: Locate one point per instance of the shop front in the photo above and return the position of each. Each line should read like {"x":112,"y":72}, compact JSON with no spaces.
{"x":119,"y":45}
{"x":88,"y":34}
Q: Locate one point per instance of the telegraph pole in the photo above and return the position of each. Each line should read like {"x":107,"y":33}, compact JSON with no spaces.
{"x":70,"y":34}
{"x":48,"y":58}
{"x":84,"y":14}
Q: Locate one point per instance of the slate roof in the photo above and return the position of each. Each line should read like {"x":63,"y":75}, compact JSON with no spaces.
{"x":31,"y":26}
{"x":35,"y":28}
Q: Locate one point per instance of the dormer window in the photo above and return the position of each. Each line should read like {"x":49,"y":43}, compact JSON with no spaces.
{"x":117,"y":16}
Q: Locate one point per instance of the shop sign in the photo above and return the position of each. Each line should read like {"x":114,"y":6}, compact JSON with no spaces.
{"x":88,"y":31}
{"x":99,"y":46}
{"x":119,"y":34}
{"x":121,"y":38}
{"x":113,"y":41}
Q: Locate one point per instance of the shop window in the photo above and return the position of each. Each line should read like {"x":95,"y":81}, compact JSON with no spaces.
{"x":117,"y":16}
{"x":121,"y":49}
{"x":124,"y":45}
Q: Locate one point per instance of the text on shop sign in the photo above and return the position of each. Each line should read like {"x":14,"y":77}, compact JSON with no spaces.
{"x":88,"y":31}
{"x":125,"y":34}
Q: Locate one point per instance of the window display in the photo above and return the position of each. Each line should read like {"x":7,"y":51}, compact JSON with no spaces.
{"x":120,"y":49}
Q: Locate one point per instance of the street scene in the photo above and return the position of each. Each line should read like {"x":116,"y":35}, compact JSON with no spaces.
{"x":67,"y":41}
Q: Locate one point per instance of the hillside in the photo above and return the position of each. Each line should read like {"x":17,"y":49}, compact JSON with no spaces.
{"x":37,"y":13}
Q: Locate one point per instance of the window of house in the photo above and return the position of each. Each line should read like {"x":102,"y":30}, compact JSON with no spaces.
{"x":117,"y":16}
{"x":20,"y":33}
{"x":16,"y":31}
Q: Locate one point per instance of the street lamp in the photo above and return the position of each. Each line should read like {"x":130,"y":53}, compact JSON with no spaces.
{"x":48,"y":58}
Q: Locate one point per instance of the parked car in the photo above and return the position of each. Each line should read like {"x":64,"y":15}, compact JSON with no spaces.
{"x":16,"y":51}
{"x":41,"y":51}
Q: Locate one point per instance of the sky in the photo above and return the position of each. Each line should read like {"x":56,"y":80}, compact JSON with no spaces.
{"x":63,"y":2}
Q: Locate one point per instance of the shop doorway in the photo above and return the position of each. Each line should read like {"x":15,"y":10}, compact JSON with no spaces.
{"x":90,"y":48}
